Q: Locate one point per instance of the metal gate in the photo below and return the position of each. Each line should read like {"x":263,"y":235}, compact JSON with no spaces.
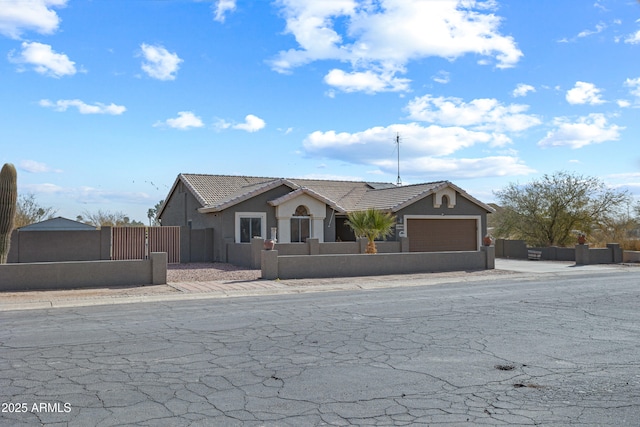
{"x":139,"y":242}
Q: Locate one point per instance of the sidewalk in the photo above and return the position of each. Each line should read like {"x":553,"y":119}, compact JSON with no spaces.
{"x":514,"y":269}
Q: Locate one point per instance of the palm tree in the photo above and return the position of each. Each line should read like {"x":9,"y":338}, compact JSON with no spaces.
{"x":372,"y":224}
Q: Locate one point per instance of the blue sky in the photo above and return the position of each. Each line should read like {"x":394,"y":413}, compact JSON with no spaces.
{"x":103,"y":103}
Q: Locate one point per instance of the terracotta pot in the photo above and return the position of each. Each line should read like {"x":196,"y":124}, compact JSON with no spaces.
{"x":582,"y":239}
{"x":269,"y":244}
{"x":487,"y":241}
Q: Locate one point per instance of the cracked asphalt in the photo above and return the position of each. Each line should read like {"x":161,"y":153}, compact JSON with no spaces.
{"x":511,"y":349}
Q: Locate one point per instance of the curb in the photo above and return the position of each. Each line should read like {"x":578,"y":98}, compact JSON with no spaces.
{"x":30,"y":301}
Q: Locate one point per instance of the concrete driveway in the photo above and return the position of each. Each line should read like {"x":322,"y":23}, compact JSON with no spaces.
{"x":563,"y":267}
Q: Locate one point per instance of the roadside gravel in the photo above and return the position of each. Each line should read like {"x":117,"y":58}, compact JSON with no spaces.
{"x":204,"y":272}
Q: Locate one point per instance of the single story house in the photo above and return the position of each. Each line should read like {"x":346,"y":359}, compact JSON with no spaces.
{"x":435,"y":216}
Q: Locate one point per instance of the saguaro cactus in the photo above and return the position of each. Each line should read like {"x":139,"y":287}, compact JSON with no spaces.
{"x":8,"y":203}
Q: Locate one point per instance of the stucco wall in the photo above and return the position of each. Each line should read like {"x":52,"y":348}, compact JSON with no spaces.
{"x":581,"y":254}
{"x":61,"y":245}
{"x":631,"y":256}
{"x":84,"y":274}
{"x":312,"y":266}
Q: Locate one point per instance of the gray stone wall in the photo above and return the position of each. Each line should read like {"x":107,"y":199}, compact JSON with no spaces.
{"x":84,"y":274}
{"x":350,"y":265}
{"x":62,"y":245}
{"x":581,"y":254}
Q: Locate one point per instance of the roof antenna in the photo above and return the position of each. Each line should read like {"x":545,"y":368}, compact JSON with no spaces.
{"x":398,"y":181}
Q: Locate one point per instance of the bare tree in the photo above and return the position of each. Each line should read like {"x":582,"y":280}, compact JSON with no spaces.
{"x":549,"y":211}
{"x":30,"y":211}
{"x":108,"y":219}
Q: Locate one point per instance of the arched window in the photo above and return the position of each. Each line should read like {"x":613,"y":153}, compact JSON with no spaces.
{"x":445,"y":201}
{"x":300,"y":225}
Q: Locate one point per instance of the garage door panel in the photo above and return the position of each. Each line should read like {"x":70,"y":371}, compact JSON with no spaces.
{"x":442,"y":235}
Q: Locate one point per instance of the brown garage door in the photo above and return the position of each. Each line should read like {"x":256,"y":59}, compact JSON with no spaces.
{"x":439,"y":235}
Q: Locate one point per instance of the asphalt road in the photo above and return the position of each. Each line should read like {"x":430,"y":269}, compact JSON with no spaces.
{"x":559,"y":350}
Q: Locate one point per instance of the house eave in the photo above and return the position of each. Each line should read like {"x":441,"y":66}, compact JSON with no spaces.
{"x":304,"y":190}
{"x":248,"y":195}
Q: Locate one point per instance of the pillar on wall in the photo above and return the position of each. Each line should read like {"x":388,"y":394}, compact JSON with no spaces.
{"x":616,"y":252}
{"x":257,"y":246}
{"x":314,"y":246}
{"x":490,"y":256}
{"x":582,"y":254}
{"x":158,"y":268}
{"x":269,"y":264}
{"x":404,"y":244}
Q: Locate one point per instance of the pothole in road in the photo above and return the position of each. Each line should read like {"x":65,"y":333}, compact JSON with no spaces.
{"x":505,"y":367}
{"x":528,"y":385}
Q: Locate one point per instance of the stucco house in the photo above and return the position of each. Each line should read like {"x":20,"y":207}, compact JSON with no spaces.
{"x":435,"y":216}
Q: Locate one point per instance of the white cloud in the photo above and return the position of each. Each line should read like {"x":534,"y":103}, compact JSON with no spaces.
{"x":623,"y":103}
{"x":522,"y":90}
{"x":367,"y":81}
{"x":442,"y":77}
{"x":83,"y":108}
{"x":185,"y":120}
{"x":17,"y":16}
{"x":382,"y":37}
{"x":599,"y":28}
{"x":584,"y":93}
{"x":428,"y":150}
{"x":33,"y":166}
{"x":160,"y":63}
{"x":479,"y":114}
{"x":460,"y":168}
{"x":634,"y":86}
{"x":367,"y":146}
{"x":591,"y":129}
{"x":251,"y":124}
{"x":633,"y":38}
{"x":44,"y":60}
{"x":221,"y":8}
{"x":86,"y":194}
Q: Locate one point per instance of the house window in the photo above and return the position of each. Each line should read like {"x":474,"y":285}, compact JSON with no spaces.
{"x":300,"y":225}
{"x":249,"y":225}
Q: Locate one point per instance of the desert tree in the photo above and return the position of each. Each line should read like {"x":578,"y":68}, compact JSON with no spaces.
{"x":30,"y":211}
{"x":108,"y":219}
{"x":549,"y":211}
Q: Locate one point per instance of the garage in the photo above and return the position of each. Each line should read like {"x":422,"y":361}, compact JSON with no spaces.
{"x":442,"y":235}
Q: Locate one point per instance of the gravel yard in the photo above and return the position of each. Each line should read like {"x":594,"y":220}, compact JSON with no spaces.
{"x":203,"y":272}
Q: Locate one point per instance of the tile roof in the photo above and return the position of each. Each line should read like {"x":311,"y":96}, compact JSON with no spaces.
{"x":218,"y":192}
